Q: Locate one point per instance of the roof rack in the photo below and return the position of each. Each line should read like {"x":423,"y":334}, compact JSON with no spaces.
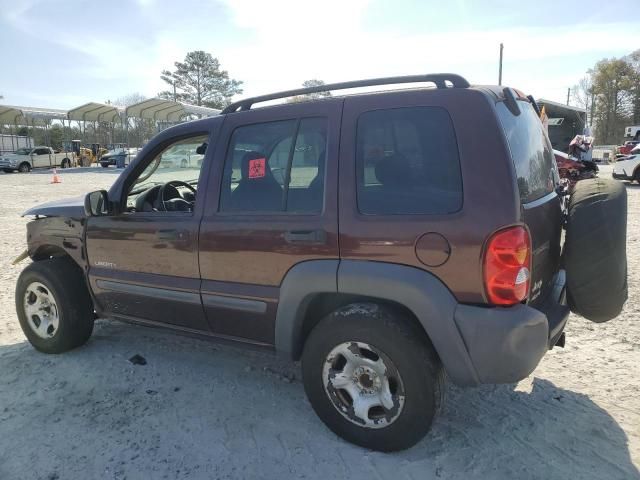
{"x":440,"y":80}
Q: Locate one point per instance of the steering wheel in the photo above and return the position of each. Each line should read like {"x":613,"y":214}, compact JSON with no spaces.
{"x":174,"y":204}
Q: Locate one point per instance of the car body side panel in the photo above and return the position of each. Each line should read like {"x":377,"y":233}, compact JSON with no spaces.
{"x":626,"y":169}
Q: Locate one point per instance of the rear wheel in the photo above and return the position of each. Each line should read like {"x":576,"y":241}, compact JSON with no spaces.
{"x":66,"y":163}
{"x":53,"y":305}
{"x":373,"y":377}
{"x":24,"y":167}
{"x":104,"y":165}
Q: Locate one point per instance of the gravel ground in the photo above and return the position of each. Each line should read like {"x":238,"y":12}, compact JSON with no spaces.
{"x":204,"y":410}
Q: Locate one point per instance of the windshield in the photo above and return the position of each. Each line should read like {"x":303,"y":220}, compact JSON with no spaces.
{"x":23,"y":151}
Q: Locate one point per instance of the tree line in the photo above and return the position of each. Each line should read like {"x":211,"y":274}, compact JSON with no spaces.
{"x":610,"y":93}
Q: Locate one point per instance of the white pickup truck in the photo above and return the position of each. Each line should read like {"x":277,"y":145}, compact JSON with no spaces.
{"x":24,"y":159}
{"x":632,"y":131}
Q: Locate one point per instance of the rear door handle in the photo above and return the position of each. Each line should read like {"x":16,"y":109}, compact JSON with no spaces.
{"x":305,"y":236}
{"x":170,"y":235}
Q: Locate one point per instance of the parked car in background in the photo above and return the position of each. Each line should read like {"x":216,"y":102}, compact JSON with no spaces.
{"x":120,"y":157}
{"x":572,"y":169}
{"x":627,"y":147}
{"x":627,"y":168}
{"x":632,"y":131}
{"x":180,"y":158}
{"x":25,"y":159}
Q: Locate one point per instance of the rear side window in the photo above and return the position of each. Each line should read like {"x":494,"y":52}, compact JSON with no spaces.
{"x":407,"y":162}
{"x":531,"y":151}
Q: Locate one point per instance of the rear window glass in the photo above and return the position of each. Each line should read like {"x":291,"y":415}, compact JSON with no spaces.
{"x":531,"y":151}
{"x":407,"y":162}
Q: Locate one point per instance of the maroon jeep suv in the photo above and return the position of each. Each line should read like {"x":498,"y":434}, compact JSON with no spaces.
{"x":387,"y":240}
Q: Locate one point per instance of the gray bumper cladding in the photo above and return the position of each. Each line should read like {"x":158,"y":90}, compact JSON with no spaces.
{"x":505,"y":344}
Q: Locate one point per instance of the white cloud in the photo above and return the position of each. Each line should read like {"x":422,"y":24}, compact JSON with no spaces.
{"x":277,"y":44}
{"x":290,"y":43}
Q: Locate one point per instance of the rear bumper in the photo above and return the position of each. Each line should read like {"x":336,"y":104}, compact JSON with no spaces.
{"x":506,"y":344}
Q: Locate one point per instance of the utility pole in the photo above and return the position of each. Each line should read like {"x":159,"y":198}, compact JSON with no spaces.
{"x":500,"y":65}
{"x":568,"y":94}
{"x":174,"y":91}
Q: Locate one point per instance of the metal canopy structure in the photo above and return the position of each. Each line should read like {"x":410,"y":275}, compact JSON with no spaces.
{"x":11,"y":115}
{"x":159,"y":109}
{"x":95,"y":112}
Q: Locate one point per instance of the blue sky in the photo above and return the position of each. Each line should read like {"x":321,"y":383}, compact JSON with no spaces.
{"x":62,"y":53}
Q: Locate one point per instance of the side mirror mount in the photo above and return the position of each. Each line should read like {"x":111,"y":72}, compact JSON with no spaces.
{"x":202,"y":149}
{"x":96,"y":203}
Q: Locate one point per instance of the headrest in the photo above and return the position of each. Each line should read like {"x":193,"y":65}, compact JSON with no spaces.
{"x":393,"y":170}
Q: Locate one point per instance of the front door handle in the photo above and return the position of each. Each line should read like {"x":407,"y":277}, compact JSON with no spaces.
{"x":305,"y":236}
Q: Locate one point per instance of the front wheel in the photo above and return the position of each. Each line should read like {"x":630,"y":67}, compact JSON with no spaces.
{"x":53,"y":305}
{"x":373,"y":377}
{"x":24,"y":168}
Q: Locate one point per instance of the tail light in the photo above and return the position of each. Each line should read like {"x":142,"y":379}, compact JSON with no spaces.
{"x":507,"y":266}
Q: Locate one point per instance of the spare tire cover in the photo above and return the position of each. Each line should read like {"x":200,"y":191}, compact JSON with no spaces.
{"x":595,"y":255}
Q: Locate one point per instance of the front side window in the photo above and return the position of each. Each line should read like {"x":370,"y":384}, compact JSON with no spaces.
{"x":169,"y":183}
{"x":276,"y":167}
{"x":407,"y":162}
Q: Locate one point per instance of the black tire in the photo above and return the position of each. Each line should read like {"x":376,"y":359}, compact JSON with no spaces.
{"x":595,"y":249}
{"x":24,"y":167}
{"x":104,"y":165}
{"x":65,"y":281}
{"x":66,"y":163}
{"x":408,"y":348}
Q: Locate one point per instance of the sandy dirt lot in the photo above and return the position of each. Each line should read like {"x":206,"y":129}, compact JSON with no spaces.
{"x":203,"y":410}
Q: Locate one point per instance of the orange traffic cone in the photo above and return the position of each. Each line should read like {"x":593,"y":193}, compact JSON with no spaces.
{"x":56,"y":178}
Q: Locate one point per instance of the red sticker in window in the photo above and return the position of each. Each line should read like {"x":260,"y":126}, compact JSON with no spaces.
{"x":257,"y":167}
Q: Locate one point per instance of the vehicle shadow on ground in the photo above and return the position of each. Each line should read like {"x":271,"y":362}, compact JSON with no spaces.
{"x":197,"y":409}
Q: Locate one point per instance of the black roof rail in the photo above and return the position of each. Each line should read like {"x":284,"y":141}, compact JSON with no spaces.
{"x":439,"y":79}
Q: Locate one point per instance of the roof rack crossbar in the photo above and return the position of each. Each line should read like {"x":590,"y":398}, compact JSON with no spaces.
{"x":440,"y":80}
